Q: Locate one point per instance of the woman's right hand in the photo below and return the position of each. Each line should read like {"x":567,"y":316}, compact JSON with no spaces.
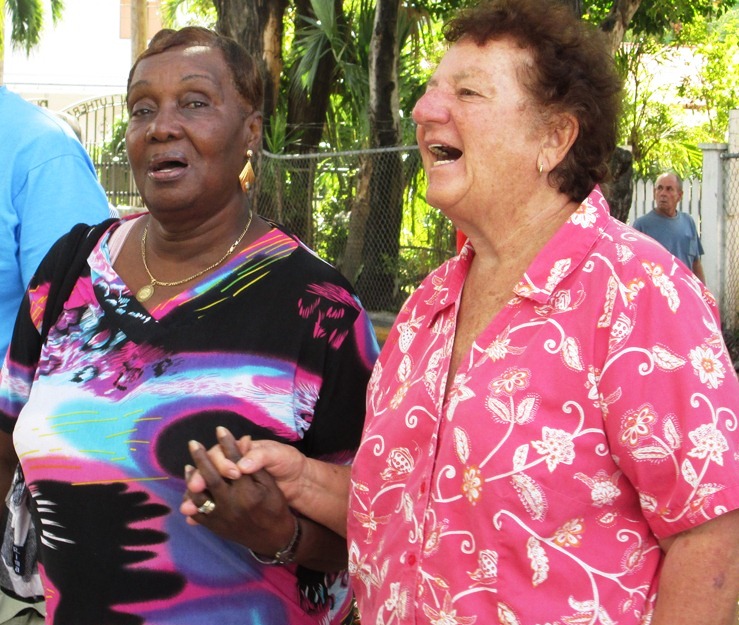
{"x":250,"y":510}
{"x":283,"y":462}
{"x":318,"y":490}
{"x":251,"y":506}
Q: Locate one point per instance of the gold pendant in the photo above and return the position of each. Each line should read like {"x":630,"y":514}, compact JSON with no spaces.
{"x":145,"y":292}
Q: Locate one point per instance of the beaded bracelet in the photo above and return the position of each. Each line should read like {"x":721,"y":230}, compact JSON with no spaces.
{"x":287,"y":554}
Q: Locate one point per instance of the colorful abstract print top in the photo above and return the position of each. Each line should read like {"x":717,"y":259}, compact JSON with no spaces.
{"x":274,"y":345}
{"x":594,"y":415}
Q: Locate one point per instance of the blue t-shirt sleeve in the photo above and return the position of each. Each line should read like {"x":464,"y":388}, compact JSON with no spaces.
{"x":58,"y":193}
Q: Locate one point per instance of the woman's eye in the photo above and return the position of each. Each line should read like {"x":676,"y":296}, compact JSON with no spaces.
{"x":195,"y":104}
{"x":467,"y":92}
{"x":138,"y":110}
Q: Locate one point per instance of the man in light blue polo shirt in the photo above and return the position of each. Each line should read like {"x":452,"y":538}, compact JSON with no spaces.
{"x":47,"y":185}
{"x":674,"y":229}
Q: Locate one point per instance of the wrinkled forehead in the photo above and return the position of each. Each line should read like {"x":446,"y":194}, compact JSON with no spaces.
{"x":495,"y":61}
{"x":186,"y":64}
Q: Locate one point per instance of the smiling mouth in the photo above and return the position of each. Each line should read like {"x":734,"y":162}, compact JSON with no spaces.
{"x":444,"y":154}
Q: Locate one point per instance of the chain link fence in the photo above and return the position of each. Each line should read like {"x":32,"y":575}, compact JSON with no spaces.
{"x":363,"y":211}
{"x":730,"y":297}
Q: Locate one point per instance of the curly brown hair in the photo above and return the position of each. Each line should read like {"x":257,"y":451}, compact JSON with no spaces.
{"x":573,"y":71}
{"x":244,"y":70}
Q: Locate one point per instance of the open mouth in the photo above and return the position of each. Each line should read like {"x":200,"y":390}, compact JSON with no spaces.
{"x":167,"y":166}
{"x":444,"y":154}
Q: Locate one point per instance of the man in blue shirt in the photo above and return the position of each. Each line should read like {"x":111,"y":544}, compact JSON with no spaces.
{"x":47,"y":185}
{"x":675,"y":230}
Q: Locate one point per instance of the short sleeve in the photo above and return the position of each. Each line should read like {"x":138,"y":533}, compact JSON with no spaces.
{"x":338,"y":418}
{"x":670,"y":398}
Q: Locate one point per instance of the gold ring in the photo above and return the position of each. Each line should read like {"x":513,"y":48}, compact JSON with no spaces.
{"x":207,"y":507}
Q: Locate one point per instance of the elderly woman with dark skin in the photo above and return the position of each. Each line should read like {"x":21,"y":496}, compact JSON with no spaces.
{"x":193,"y":316}
{"x":552,"y":424}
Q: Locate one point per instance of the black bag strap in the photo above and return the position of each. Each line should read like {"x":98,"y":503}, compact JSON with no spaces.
{"x":73,"y":250}
{"x":77,"y":245}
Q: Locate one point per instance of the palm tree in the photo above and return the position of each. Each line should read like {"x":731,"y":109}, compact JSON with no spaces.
{"x":341,"y":50}
{"x":27,"y":20}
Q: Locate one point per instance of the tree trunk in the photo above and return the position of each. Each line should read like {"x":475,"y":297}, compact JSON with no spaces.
{"x":139,"y":28}
{"x":350,"y":263}
{"x":619,"y":190}
{"x":377,"y":281}
{"x":257,"y":25}
{"x":617,"y":22}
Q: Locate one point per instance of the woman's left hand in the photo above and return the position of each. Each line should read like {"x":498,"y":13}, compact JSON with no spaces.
{"x":249,"y":509}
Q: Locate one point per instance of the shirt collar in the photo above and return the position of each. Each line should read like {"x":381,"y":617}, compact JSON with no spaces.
{"x":565,"y":251}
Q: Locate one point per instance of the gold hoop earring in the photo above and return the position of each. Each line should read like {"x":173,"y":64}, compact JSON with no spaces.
{"x":541,"y":169}
{"x":247,"y":177}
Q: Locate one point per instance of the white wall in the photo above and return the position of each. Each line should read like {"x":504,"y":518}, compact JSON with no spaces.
{"x":83,"y":56}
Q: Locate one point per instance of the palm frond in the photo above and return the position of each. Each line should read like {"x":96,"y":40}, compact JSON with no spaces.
{"x":57,"y":8}
{"x":316,"y":37}
{"x":27,"y":19}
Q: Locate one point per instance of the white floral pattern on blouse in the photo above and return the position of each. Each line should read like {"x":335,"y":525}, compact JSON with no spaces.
{"x":596,"y":414}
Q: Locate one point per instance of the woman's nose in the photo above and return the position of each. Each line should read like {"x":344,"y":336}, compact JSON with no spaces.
{"x":164,"y":125}
{"x":431,"y":107}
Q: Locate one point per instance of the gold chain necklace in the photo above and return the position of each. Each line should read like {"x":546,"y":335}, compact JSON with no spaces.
{"x":146,"y":291}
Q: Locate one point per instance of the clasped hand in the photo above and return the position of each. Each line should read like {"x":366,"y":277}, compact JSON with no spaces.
{"x":249,"y":509}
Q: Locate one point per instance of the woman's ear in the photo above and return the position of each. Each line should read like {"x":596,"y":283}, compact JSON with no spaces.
{"x":253,"y":131}
{"x":562,"y":132}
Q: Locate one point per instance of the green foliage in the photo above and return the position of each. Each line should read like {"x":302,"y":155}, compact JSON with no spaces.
{"x":113,"y":148}
{"x":716,"y":89}
{"x":660,"y":16}
{"x":337,"y":189}
{"x":422,"y":46}
{"x":180,"y":13}
{"x":648,"y":124}
{"x":111,"y":162}
{"x":679,"y":91}
{"x":27,"y":20}
{"x":275,"y":135}
{"x":438,"y":10}
{"x":315,"y":38}
{"x":115,"y":145}
{"x":349,"y":44}
{"x":657,"y":17}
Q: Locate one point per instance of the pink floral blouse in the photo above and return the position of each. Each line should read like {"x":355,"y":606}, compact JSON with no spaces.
{"x":596,"y":414}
